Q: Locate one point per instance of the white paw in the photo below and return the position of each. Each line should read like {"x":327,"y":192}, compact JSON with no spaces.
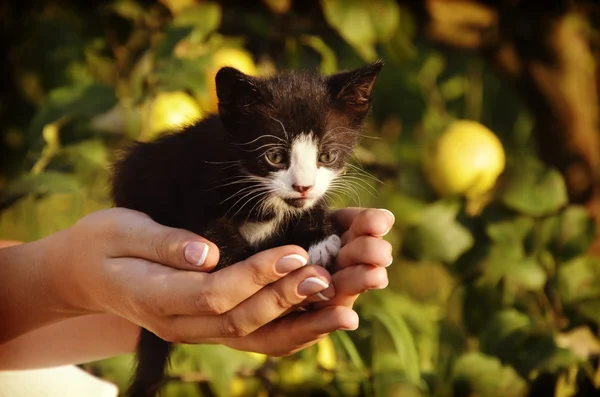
{"x":324,"y":252}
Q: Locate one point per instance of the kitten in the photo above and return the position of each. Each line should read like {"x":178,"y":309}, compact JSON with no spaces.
{"x":251,"y":178}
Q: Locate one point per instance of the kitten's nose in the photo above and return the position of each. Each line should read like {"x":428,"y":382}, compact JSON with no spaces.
{"x":301,"y":189}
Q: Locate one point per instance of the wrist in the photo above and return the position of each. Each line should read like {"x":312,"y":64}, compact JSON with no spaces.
{"x":63,"y":270}
{"x":28,"y":297}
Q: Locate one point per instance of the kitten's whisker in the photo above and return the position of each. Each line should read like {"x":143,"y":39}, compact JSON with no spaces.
{"x":287,"y":136}
{"x":351,"y":131}
{"x":347,"y":190}
{"x":243,"y":179}
{"x":260,"y":137}
{"x":365,"y":173}
{"x":356,"y":185}
{"x":241,"y":191}
{"x":359,"y":182}
{"x":221,"y":162}
{"x":255,"y":191}
{"x":258,"y":198}
{"x":265,"y":145}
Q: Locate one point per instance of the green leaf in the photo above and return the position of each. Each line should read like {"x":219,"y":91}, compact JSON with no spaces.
{"x":576,"y":231}
{"x":395,"y":357}
{"x":590,"y":310}
{"x":127,"y":9}
{"x":44,"y":183}
{"x":217,"y":363}
{"x":533,"y":189}
{"x":500,"y":328}
{"x":181,"y":74}
{"x":73,"y":102}
{"x":506,"y":262}
{"x":172,"y":36}
{"x":438,"y":235}
{"x":363,"y":23}
{"x":579,"y":279}
{"x":204,"y":17}
{"x":453,"y":88}
{"x":511,"y":231}
{"x":515,"y":339}
{"x":117,"y":370}
{"x":328,"y":59}
{"x":478,"y":374}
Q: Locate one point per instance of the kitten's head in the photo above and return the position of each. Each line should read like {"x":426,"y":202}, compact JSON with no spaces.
{"x":294,"y":131}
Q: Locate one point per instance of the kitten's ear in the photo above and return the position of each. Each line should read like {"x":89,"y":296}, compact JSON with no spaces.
{"x":352,"y":90}
{"x":235,"y":89}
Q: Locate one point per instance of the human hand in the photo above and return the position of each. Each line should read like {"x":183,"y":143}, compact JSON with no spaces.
{"x":361,"y":263}
{"x":361,"y":266}
{"x":114,"y":262}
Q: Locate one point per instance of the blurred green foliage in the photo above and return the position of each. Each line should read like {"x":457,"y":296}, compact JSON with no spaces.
{"x":477,"y":301}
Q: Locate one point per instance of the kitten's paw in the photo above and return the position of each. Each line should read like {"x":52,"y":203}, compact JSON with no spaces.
{"x":324,"y":252}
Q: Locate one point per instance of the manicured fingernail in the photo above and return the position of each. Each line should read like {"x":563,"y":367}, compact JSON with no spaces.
{"x":312,"y":286}
{"x":196,"y":253}
{"x":391,"y":261}
{"x":392,"y":218}
{"x":382,"y":286}
{"x":327,"y":293}
{"x":351,"y":325}
{"x":289,"y":263}
{"x":390,"y":213}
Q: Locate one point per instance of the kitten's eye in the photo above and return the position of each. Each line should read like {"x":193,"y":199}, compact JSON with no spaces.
{"x":328,"y":157}
{"x":275,"y":157}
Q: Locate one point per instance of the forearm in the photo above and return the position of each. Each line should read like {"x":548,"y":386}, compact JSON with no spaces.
{"x":29,"y":297}
{"x":73,"y":341}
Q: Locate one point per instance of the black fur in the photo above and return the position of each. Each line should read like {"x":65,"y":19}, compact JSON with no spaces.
{"x":185,"y":180}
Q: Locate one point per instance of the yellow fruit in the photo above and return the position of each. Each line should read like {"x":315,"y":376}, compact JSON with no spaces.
{"x":326,"y":354}
{"x":259,"y":357}
{"x":234,"y":57}
{"x":467,"y":159}
{"x":176,"y":6}
{"x":169,"y":111}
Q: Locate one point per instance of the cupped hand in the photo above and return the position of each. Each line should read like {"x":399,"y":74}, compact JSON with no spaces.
{"x":360,"y":266}
{"x":114,"y":261}
{"x":361,"y":263}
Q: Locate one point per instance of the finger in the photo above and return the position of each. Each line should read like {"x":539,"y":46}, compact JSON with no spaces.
{"x":262,"y":308}
{"x":345,"y":216}
{"x":295,"y":332}
{"x":136,"y":235}
{"x":353,"y":281}
{"x":372,"y":222}
{"x":223,"y":290}
{"x":365,"y":250}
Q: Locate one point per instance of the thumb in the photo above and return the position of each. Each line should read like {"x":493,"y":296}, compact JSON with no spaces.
{"x":137,"y":235}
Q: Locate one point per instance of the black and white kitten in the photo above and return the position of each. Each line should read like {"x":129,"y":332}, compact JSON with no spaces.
{"x":251,"y":178}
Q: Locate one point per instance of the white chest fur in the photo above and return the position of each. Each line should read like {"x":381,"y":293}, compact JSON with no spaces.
{"x":255,"y":232}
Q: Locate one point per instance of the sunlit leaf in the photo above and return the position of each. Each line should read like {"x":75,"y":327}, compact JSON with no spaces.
{"x":478,"y":374}
{"x":363,"y":23}
{"x":438,"y":235}
{"x":83,"y":101}
{"x":532,"y":189}
{"x":579,"y":279}
{"x":328,"y":59}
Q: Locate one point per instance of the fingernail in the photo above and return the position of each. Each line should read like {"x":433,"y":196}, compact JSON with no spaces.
{"x":327,"y":293}
{"x":312,"y":286}
{"x":289,"y":263}
{"x":352,"y":324}
{"x":381,"y":286}
{"x":196,"y":253}
{"x":391,"y":261}
{"x":393,"y":219}
{"x":390,"y":213}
